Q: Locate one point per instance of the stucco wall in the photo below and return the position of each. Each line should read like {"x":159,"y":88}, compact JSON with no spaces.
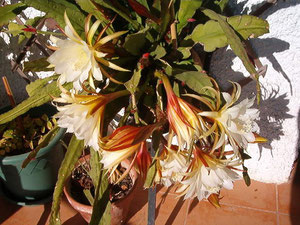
{"x":279,"y":109}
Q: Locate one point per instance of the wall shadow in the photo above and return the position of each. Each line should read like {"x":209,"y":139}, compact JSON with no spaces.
{"x":241,"y":9}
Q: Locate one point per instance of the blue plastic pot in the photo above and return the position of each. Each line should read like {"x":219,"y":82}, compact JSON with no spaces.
{"x":37,"y":180}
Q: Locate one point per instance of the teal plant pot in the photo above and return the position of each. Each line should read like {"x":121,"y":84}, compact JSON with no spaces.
{"x":37,"y":180}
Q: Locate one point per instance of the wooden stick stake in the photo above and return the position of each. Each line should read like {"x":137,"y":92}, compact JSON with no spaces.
{"x":8,"y":91}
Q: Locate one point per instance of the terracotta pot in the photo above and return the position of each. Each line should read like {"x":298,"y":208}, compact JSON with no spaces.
{"x":119,"y":209}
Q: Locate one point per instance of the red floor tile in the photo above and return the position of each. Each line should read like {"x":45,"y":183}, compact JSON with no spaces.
{"x":258,"y":195}
{"x":289,"y":198}
{"x":36,"y":215}
{"x":170,"y":209}
{"x":204,"y":213}
{"x":137,"y":214}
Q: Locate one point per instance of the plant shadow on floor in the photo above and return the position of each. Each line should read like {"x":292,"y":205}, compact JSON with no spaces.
{"x":140,"y":205}
{"x":77,"y":219}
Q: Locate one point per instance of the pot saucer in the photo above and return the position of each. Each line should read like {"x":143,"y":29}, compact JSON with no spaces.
{"x":9,"y":197}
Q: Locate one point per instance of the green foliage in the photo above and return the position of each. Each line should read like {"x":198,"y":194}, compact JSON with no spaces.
{"x":56,"y":8}
{"x":186,"y":11}
{"x":45,"y":95}
{"x":236,"y":46}
{"x":43,"y":142}
{"x":149,"y":182}
{"x":26,"y":134}
{"x":212,"y":35}
{"x":167,"y":16}
{"x":124,"y":15}
{"x":89,"y":7}
{"x":159,"y":52}
{"x":101,"y":206}
{"x":246,"y":177}
{"x":73,"y":153}
{"x":16,"y":29}
{"x":9,"y":12}
{"x":135,"y":43}
{"x":36,"y":86}
{"x":195,"y":80}
{"x":132,"y":84}
{"x":37,"y":65}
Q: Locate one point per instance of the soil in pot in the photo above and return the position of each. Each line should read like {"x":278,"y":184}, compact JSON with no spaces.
{"x":81,"y":180}
{"x":120,"y":194}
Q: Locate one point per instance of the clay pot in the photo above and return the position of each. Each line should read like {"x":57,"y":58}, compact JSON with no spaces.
{"x":119,"y":209}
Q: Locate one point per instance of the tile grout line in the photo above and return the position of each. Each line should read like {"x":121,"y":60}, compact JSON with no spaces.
{"x":277,"y":204}
{"x":247,"y":207}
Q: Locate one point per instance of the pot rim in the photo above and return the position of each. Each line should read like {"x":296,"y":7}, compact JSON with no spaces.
{"x":89,"y":208}
{"x":5,"y":160}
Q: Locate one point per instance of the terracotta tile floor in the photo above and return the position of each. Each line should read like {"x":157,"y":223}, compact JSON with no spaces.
{"x":259,"y":204}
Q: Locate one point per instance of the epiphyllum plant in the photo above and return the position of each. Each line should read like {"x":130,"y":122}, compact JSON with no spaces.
{"x":77,"y":60}
{"x":137,"y":67}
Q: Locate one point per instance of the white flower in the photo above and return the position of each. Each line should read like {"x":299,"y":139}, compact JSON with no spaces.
{"x":206,"y":181}
{"x":83,"y":114}
{"x":173,"y":167}
{"x":206,"y":176}
{"x":76,"y":59}
{"x":236,"y":122}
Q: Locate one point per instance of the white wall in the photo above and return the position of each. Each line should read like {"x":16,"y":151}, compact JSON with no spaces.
{"x":279,"y":110}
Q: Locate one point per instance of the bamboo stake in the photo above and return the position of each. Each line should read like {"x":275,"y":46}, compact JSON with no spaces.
{"x":12,"y":101}
{"x":8,"y":91}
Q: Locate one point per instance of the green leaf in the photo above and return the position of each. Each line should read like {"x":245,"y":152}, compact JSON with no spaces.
{"x":45,"y":95}
{"x":87,"y":193}
{"x":236,"y":45}
{"x":15,"y":29}
{"x":185,"y":51}
{"x":89,"y":7}
{"x":107,"y":4}
{"x":101,"y":206}
{"x":186,"y":11}
{"x":9,"y":12}
{"x":56,"y":9}
{"x":166,"y":16}
{"x":212,"y":36}
{"x":37,"y":65}
{"x":35,"y":86}
{"x":156,"y":139}
{"x":222,"y":4}
{"x":132,"y":84}
{"x":196,"y":81}
{"x":245,"y":156}
{"x":72,"y":155}
{"x":159,"y":52}
{"x":246,"y":176}
{"x":134,"y":43}
{"x":45,"y":141}
{"x":151,"y":173}
{"x":144,"y":3}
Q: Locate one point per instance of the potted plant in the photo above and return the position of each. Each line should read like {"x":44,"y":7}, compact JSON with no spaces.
{"x":142,"y":62}
{"x":30,"y":155}
{"x":79,"y":190}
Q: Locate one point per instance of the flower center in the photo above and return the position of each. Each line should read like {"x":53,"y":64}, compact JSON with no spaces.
{"x":82,"y":58}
